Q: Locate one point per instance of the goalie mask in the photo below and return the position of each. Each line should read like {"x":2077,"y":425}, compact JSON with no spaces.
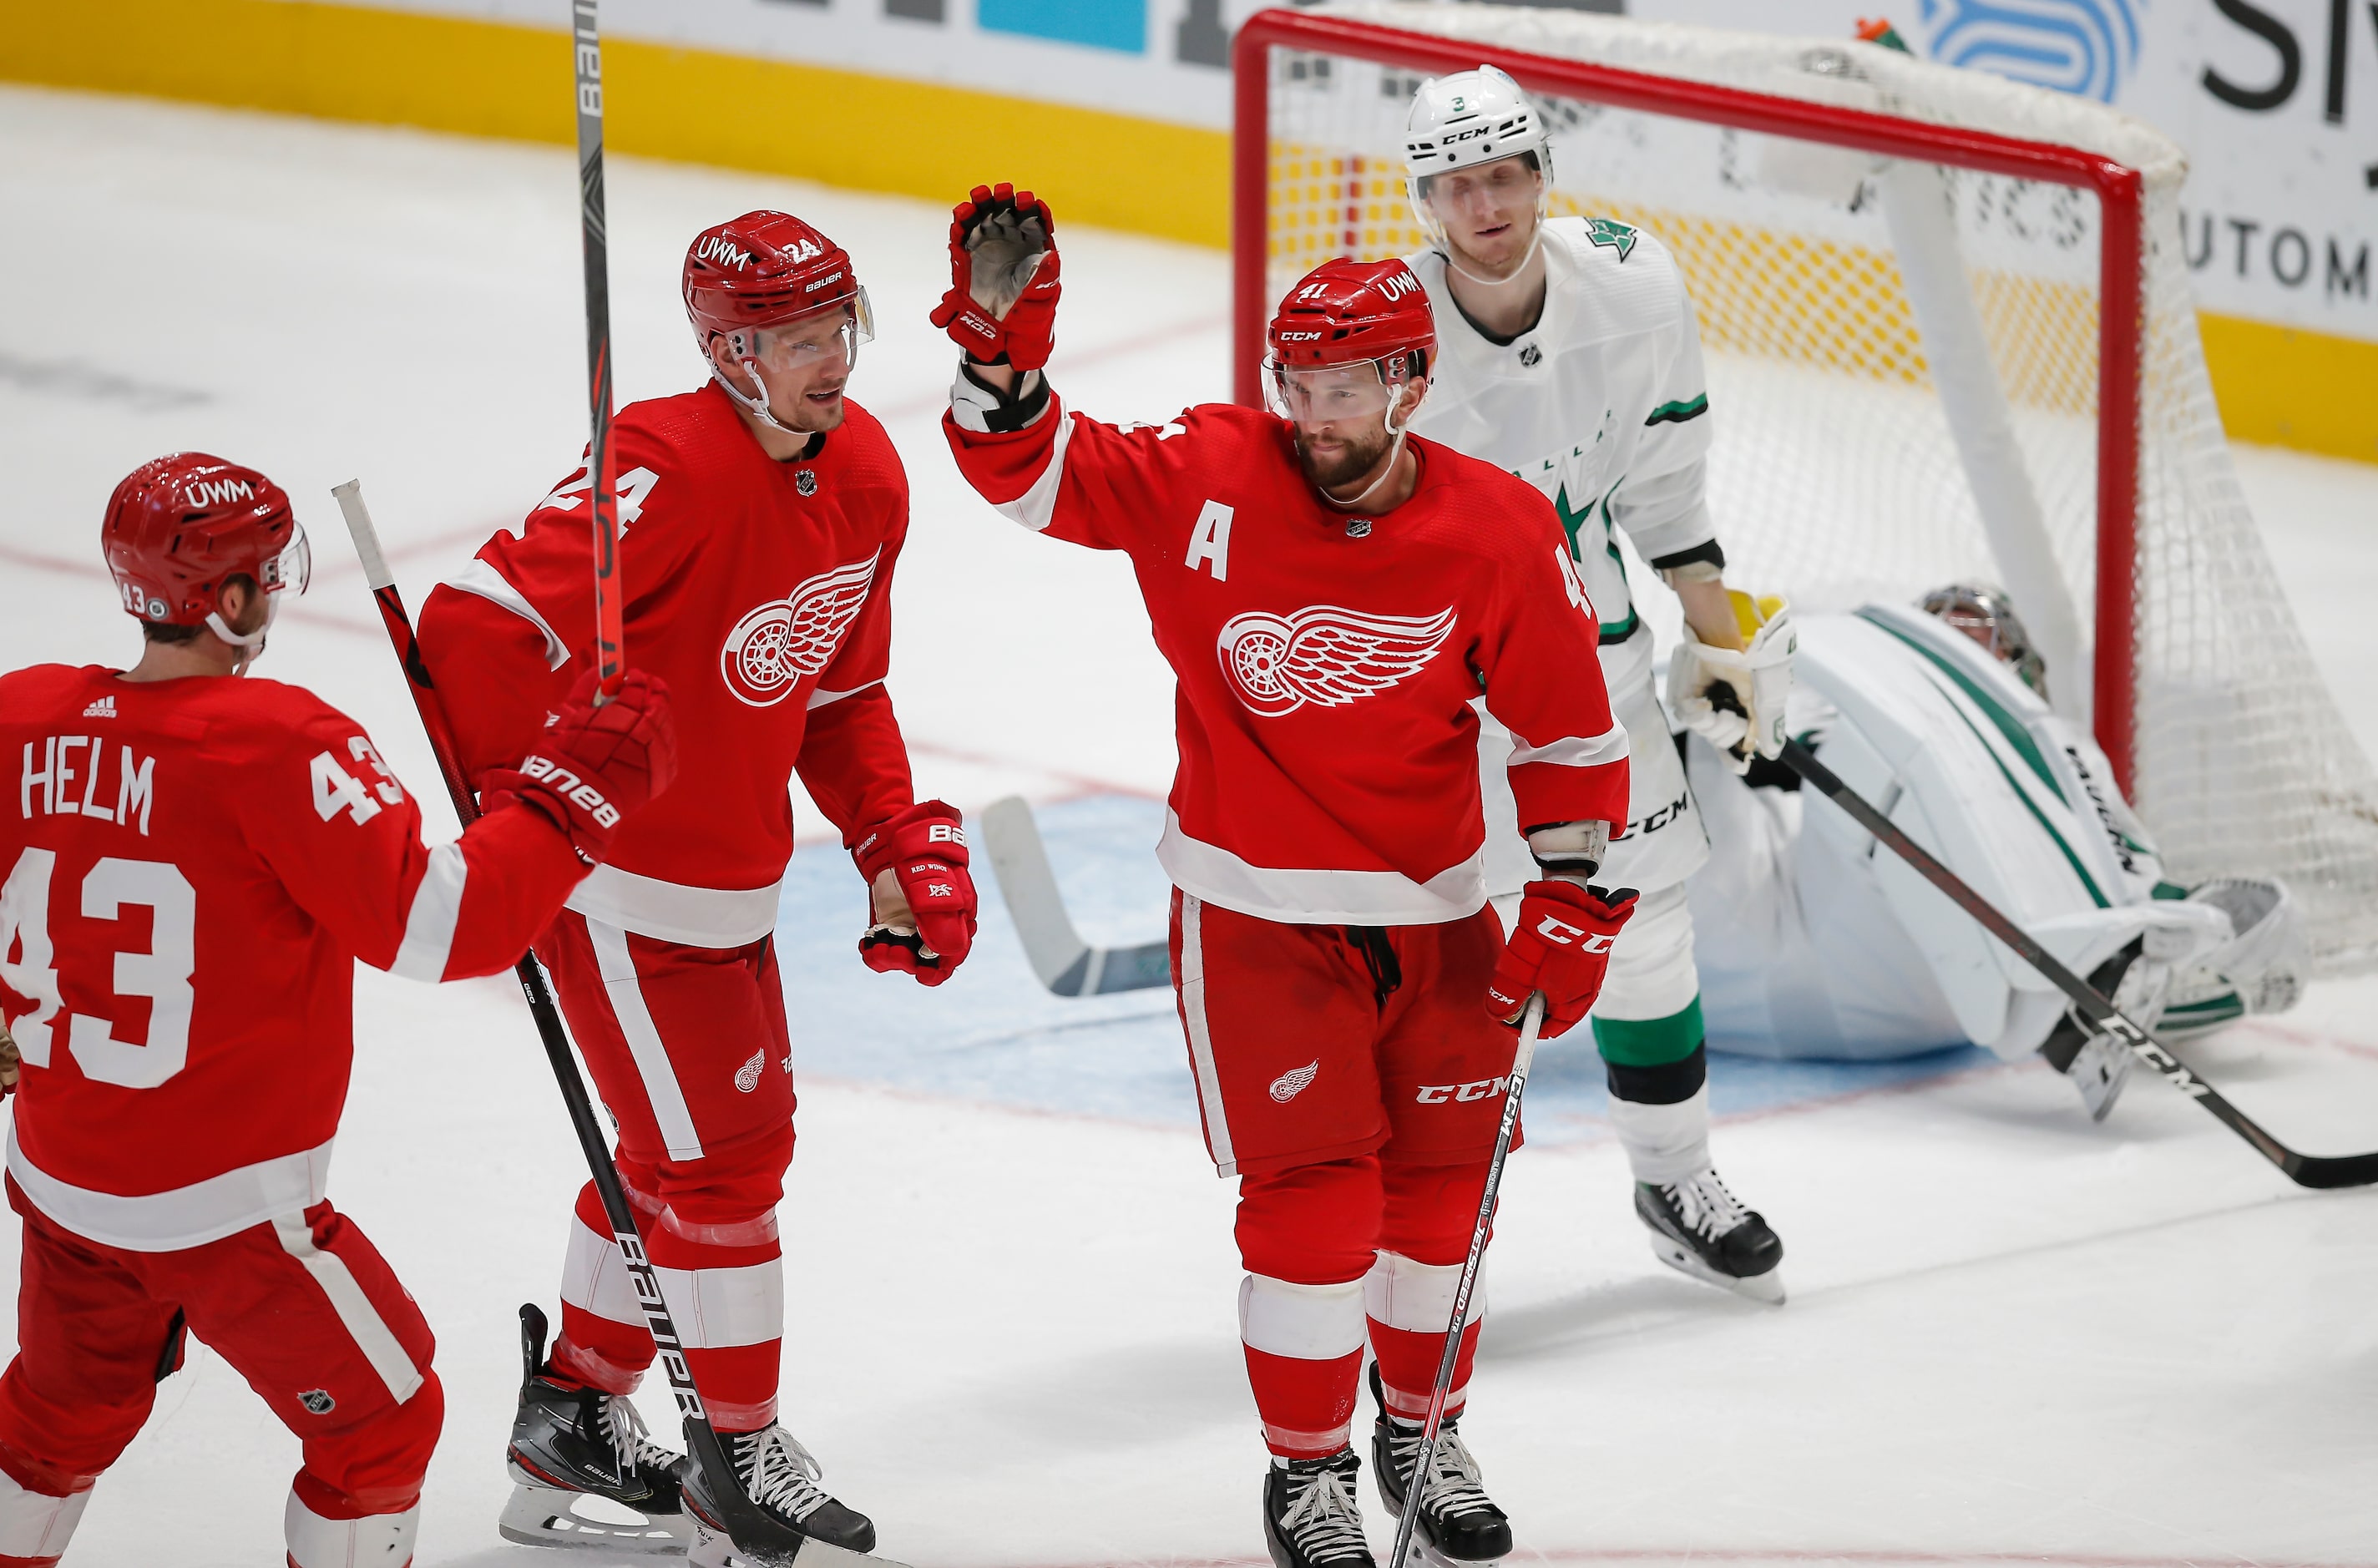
{"x":1986,"y":614}
{"x":180,"y":527}
{"x":765,"y":270}
{"x":1466,"y":120}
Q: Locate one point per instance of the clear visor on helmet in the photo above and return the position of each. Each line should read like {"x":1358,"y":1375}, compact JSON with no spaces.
{"x":1325,"y":394}
{"x":293,"y":568}
{"x":819,"y":340}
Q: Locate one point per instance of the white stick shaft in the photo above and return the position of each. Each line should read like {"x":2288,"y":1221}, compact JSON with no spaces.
{"x":359,"y":525}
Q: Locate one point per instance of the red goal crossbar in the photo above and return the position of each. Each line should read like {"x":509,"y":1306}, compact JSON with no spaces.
{"x":2122,"y":254}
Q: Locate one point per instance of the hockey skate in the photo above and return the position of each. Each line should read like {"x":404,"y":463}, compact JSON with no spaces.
{"x":1311,"y":1516}
{"x":1700,"y":1228}
{"x":1458,"y":1523}
{"x":586,"y":1474}
{"x":780,"y":1477}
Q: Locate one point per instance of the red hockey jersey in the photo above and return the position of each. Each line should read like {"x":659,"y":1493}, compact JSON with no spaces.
{"x":1326,"y":663}
{"x":189,"y":871}
{"x":760,"y":591}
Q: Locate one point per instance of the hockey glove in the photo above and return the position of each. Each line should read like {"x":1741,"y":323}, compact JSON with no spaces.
{"x":924,"y":923}
{"x":594,"y":766}
{"x":1002,"y":306}
{"x":1736,"y":699}
{"x":1561,"y":947}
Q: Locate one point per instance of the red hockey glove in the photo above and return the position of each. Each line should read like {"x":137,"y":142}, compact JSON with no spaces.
{"x":1561,"y":947}
{"x":925,"y":849}
{"x":594,"y":766}
{"x":1002,"y":298}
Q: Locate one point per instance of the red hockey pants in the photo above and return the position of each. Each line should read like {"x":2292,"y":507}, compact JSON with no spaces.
{"x":1352,"y":1079}
{"x":689,"y":1052}
{"x":302,"y":1307}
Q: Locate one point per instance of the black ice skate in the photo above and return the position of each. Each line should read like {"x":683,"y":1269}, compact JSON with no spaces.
{"x":1459,"y":1523}
{"x":587,"y":1474}
{"x":781,"y":1478}
{"x":1700,"y":1228}
{"x":1310,"y":1517}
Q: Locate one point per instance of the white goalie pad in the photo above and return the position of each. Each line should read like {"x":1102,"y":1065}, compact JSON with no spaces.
{"x":1814,"y":940}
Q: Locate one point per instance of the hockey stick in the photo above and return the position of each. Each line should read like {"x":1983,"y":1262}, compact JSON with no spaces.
{"x":1531,"y":1023}
{"x":594,"y":246}
{"x":2096,"y":1013}
{"x":1066,"y":964}
{"x":751,"y":1529}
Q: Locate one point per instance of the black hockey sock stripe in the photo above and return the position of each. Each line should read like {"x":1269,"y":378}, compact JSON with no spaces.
{"x":1671,"y":1082}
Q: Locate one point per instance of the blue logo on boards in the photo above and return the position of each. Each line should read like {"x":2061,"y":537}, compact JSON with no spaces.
{"x":2084,"y":46}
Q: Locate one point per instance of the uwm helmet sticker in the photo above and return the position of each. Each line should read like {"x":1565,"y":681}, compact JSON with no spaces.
{"x":779,"y":644}
{"x":1324,"y":655}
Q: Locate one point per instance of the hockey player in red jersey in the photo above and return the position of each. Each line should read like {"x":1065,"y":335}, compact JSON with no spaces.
{"x":190,"y":870}
{"x":1332,"y":598}
{"x":760,"y":519}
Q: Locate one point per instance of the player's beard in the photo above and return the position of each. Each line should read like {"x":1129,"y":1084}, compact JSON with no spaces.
{"x":1361,"y":452}
{"x":812,"y":416}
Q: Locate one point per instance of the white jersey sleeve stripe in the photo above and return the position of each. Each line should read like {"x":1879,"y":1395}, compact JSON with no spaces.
{"x":1574,"y":751}
{"x":488,"y":584}
{"x":1037,"y":507}
{"x":361,"y":1319}
{"x":429,"y":924}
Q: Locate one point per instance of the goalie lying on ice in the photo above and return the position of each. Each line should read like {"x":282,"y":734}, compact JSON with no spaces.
{"x":1811,"y":944}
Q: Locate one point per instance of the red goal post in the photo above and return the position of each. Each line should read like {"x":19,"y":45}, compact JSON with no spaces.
{"x":2120,"y":190}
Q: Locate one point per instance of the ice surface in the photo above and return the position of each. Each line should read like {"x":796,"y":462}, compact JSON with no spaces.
{"x":2012,"y":1335}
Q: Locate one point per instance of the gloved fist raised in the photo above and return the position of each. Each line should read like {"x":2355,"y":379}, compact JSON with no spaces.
{"x":1001,"y":304}
{"x":1560,"y":946}
{"x":924,"y":922}
{"x":594,"y":766}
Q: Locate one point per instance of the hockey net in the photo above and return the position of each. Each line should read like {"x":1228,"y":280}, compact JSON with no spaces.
{"x":1950,"y":337}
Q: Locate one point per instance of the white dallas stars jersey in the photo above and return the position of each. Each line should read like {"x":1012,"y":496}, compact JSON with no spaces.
{"x":1602,"y":405}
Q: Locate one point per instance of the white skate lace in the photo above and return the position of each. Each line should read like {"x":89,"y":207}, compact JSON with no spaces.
{"x":779,"y":1473}
{"x":630,"y":1437}
{"x":1454,"y":1485}
{"x":1324,"y":1521}
{"x":1704,"y":1207}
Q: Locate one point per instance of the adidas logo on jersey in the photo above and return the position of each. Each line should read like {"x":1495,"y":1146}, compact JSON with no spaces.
{"x":102,"y":709}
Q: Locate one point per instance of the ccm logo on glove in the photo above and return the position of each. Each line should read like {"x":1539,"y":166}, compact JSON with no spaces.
{"x":1561,"y":947}
{"x":1555,"y":930}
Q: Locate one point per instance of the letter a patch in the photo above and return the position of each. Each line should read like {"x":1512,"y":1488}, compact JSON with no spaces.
{"x":1209,"y":542}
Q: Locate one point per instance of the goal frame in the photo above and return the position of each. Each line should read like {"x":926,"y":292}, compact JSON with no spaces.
{"x":2120,"y":191}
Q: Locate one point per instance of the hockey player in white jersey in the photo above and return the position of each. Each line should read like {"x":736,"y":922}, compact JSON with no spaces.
{"x":1813,"y":943}
{"x":1570,"y":355}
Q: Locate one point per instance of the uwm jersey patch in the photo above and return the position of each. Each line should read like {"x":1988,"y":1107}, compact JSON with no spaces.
{"x":1324,"y":655}
{"x":1328,"y":751}
{"x":778,"y":644}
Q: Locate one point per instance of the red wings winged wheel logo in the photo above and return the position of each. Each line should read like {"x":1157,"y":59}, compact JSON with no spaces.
{"x":1324,"y":655}
{"x":777,"y":646}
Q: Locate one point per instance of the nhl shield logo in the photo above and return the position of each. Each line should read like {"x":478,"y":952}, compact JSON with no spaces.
{"x":317,"y":1401}
{"x":805,"y":480}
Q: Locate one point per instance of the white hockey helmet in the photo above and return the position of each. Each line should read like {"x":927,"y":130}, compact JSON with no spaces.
{"x":1468,"y":118}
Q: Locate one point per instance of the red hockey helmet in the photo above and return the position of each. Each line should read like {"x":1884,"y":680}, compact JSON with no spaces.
{"x":762,"y":269}
{"x":181,"y":526}
{"x":1345,"y":312}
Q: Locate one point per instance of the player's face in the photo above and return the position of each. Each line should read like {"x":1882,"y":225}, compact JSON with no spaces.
{"x":1339,"y":416}
{"x":806,"y":364}
{"x":1489,"y":211}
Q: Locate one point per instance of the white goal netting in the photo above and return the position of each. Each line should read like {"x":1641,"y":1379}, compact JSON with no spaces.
{"x":1904,"y":365}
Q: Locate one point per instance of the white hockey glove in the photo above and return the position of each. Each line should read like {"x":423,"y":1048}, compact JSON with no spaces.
{"x":1736,"y":699}
{"x":2261,"y":958}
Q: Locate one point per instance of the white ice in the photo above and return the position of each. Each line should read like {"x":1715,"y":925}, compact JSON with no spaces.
{"x":2012,"y":1335}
